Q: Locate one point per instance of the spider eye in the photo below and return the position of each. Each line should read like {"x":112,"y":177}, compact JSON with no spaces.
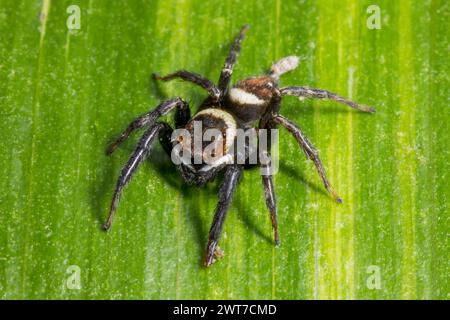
{"x":269,"y":85}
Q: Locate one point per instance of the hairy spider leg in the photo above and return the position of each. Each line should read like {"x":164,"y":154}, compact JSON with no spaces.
{"x":195,"y":78}
{"x":182,"y":116}
{"x":267,"y":180}
{"x":271,"y":203}
{"x":138,"y":156}
{"x":149,"y":119}
{"x":309,"y":150}
{"x":231,"y":178}
{"x":227,"y":70}
{"x":305,"y":92}
{"x":267,"y":123}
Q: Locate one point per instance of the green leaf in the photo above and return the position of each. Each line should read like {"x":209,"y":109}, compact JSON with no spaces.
{"x":65,"y":94}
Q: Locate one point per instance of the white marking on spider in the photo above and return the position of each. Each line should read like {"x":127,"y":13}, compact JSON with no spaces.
{"x":230,"y":124}
{"x":242,"y":97}
{"x":284,"y":65}
{"x":227,"y":159}
{"x":227,"y":70}
{"x":186,"y":160}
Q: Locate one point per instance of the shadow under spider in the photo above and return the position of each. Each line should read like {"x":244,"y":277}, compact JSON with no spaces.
{"x":242,"y":213}
{"x":101,"y":190}
{"x":242,"y":207}
{"x":167,"y":171}
{"x":295,"y":175}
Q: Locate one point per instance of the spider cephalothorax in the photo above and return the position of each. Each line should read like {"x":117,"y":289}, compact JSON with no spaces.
{"x":204,"y":158}
{"x":253,"y":103}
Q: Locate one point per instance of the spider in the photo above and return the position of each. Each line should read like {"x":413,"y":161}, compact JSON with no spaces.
{"x":255,"y":99}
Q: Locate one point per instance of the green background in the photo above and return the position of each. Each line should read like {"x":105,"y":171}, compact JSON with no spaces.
{"x":64,"y":95}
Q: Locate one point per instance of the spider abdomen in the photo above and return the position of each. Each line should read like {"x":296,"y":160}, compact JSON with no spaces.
{"x":249,"y":99}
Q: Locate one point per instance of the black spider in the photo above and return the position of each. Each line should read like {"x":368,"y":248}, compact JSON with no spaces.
{"x":250,"y":100}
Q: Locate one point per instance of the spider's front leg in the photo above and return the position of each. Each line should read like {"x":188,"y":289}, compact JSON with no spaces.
{"x":231,"y":178}
{"x":161,"y":130}
{"x":309,"y":150}
{"x":141,"y":152}
{"x":150,"y":118}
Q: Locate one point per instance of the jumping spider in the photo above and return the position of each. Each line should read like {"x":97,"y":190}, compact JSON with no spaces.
{"x":250,"y":100}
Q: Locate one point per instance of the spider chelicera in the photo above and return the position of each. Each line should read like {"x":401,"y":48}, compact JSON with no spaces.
{"x":256,"y":99}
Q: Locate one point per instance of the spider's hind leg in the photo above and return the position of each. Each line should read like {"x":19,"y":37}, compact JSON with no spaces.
{"x":140,"y":153}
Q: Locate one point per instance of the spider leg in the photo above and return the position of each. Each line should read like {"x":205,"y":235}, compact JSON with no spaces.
{"x":138,"y":156}
{"x":149,"y":119}
{"x":199,"y":80}
{"x":182,"y":116}
{"x":309,"y":150}
{"x":165,"y":139}
{"x":232,"y":175}
{"x":227,"y":69}
{"x":305,"y":92}
{"x":267,"y":180}
{"x":271,"y":203}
